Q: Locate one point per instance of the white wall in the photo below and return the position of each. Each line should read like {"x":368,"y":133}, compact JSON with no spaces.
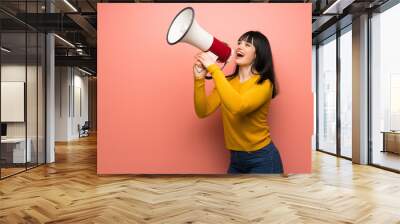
{"x":12,"y":73}
{"x":81,"y":103}
{"x":34,"y":125}
{"x":61,"y":103}
{"x":71,"y":93}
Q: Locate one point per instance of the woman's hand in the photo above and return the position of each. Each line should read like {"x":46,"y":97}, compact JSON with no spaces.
{"x":206,"y":59}
{"x":198,"y":70}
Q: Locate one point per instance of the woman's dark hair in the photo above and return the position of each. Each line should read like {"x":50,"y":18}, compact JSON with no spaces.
{"x":263,"y":61}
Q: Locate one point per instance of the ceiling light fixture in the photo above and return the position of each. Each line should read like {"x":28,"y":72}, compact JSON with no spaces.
{"x":337,"y":7}
{"x":5,"y":49}
{"x":84,"y":71}
{"x":64,"y":40}
{"x":70,"y":5}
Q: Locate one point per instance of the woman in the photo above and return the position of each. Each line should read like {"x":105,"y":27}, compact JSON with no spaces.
{"x":244,"y":101}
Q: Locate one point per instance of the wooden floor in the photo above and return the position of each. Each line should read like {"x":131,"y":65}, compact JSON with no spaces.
{"x":69,"y":191}
{"x":5,"y":172}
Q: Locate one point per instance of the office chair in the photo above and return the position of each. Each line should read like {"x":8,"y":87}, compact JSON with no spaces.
{"x":84,"y":130}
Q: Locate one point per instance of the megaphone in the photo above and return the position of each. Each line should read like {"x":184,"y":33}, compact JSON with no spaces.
{"x":184,"y":28}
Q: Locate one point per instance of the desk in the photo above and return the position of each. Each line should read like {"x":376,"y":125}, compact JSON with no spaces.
{"x":13,"y":150}
{"x":391,"y":141}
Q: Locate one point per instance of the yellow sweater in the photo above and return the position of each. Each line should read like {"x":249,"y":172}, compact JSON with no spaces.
{"x":244,"y":108}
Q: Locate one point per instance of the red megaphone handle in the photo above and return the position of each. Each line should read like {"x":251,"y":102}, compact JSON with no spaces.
{"x":220,"y":49}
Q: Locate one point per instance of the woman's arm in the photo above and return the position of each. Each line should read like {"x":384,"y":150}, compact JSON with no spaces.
{"x":237,"y":103}
{"x":203,"y":104}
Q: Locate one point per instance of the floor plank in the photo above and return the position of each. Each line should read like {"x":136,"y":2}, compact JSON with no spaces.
{"x":70,"y":191}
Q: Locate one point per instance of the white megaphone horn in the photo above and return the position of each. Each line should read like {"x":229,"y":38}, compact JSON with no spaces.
{"x":184,"y":28}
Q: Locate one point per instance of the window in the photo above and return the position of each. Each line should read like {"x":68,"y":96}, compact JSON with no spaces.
{"x":385,"y":88}
{"x":327,"y":95}
{"x":346,"y":92}
{"x":22,"y":77}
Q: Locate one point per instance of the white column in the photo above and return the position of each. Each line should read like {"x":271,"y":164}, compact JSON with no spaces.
{"x":360,"y":90}
{"x":50,"y":92}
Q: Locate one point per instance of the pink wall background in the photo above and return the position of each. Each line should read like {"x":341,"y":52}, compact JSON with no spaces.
{"x":146,"y":118}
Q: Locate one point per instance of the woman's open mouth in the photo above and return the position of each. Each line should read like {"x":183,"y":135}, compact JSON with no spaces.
{"x":239,"y":54}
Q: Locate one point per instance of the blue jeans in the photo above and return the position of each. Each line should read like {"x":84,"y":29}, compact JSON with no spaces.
{"x":264,"y":160}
